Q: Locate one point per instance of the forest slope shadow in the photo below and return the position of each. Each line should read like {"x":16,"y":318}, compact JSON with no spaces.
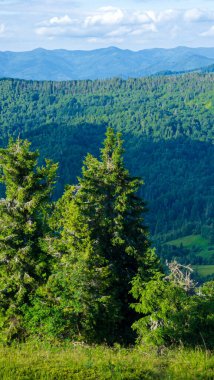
{"x":178,"y":173}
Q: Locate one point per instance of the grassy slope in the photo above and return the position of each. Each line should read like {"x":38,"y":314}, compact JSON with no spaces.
{"x":206,"y":250}
{"x":191,"y":241}
{"x":31,"y":362}
{"x":204,"y":270}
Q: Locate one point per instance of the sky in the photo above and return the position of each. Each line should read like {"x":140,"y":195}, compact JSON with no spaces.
{"x":93,"y":24}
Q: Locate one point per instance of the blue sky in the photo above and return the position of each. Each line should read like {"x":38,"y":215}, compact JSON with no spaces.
{"x":135,"y":25}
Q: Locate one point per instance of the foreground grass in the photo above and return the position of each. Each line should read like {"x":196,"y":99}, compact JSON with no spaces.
{"x":36,"y":361}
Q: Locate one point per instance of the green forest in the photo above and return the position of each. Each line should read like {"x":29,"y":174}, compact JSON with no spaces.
{"x":106,"y":199}
{"x":82,"y":268}
{"x":167,"y":126}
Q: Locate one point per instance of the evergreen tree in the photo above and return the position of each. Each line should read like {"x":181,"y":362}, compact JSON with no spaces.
{"x":24,"y":263}
{"x":104,"y":245}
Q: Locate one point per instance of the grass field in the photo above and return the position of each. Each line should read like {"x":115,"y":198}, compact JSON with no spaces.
{"x":204,"y":270}
{"x":197,"y":241}
{"x":29,"y":362}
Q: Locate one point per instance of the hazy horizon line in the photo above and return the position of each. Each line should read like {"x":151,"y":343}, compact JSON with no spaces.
{"x":109,"y":47}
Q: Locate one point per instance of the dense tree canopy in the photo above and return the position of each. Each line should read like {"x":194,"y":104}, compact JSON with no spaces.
{"x":24,"y":262}
{"x":103,"y":245}
{"x":174,"y":310}
{"x":167,"y":124}
{"x":86,"y":272}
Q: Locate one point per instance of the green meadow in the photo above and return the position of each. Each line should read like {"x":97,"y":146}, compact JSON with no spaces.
{"x":204,"y":270}
{"x":195,"y":241}
{"x":37,"y":361}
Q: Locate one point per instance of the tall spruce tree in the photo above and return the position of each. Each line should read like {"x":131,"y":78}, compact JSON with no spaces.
{"x":24,"y":263}
{"x":104,"y":245}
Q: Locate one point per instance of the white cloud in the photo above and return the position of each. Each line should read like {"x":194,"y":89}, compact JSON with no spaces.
{"x":168,"y":15}
{"x":57,"y":26}
{"x":55,"y":31}
{"x":51,"y":32}
{"x":140,"y":17}
{"x":192,"y":15}
{"x":108,"y":22}
{"x":2,"y":29}
{"x":99,"y":40}
{"x":121,"y":31}
{"x":143,"y":29}
{"x":64,"y":20}
{"x":175,"y":31}
{"x":163,"y":16}
{"x":197,"y":15}
{"x":105,"y":16}
{"x":114,"y":25}
{"x":208,"y":33}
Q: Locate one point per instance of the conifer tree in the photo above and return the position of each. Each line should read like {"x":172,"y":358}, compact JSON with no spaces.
{"x":103,"y":244}
{"x":24,"y":263}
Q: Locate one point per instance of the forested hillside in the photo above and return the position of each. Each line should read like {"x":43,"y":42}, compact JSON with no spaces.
{"x":82,"y":269}
{"x":167,"y":124}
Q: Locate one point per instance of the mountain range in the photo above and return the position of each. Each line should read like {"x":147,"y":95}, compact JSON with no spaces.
{"x":41,"y":64}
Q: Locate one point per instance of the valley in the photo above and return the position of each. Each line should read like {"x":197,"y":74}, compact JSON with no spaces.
{"x":167,"y":125}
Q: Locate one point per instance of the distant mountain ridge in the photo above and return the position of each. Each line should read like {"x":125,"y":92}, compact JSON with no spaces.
{"x":41,"y":64}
